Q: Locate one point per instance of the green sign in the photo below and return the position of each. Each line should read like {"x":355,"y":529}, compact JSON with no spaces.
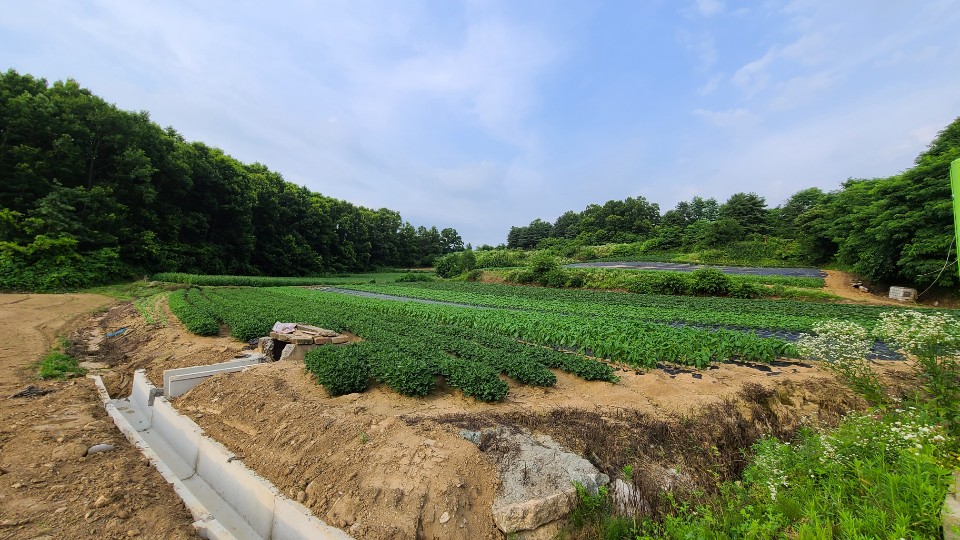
{"x":955,"y":184}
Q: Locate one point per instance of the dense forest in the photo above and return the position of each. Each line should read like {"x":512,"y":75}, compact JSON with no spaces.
{"x":898,"y":228}
{"x":90,"y":193}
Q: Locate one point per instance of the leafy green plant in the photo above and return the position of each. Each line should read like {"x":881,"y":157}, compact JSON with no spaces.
{"x":57,"y":364}
{"x":341,"y":370}
{"x":709,"y":281}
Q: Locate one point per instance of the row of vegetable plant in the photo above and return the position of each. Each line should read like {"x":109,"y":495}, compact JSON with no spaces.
{"x":728,"y":312}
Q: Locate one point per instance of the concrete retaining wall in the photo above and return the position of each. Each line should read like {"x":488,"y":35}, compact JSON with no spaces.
{"x":226,"y":498}
{"x":179,"y":381}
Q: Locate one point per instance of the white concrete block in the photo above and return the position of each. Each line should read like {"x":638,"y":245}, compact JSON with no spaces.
{"x":180,"y":433}
{"x":140,"y":395}
{"x":246,"y":361}
{"x":293,"y":521}
{"x":249,"y":495}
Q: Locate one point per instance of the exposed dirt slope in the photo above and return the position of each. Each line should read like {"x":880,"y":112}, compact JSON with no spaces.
{"x":841,"y":284}
{"x":47,"y":488}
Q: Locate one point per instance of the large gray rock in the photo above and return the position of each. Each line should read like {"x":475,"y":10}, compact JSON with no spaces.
{"x":537,"y":478}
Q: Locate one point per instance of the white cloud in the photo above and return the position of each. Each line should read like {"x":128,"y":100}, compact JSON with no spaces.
{"x":709,"y":8}
{"x":728,"y":118}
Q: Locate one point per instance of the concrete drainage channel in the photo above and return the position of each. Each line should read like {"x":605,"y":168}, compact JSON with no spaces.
{"x":227,"y":500}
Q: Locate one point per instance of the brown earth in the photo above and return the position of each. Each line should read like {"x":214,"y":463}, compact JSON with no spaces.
{"x":377,"y":464}
{"x":48,"y":489}
{"x":841,"y":284}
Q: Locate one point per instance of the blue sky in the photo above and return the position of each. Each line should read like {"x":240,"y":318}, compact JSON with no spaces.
{"x":483,"y":114}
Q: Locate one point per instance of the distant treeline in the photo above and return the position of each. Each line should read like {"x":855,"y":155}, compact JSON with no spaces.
{"x":89,"y":193}
{"x":898,"y":228}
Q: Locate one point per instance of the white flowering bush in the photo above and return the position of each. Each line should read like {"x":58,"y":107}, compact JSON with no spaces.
{"x":921,"y":334}
{"x":843,"y":346}
{"x":934,"y":340}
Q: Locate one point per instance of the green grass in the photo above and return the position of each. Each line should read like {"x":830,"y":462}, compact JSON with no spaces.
{"x":57,"y":364}
{"x":132,"y":290}
{"x":267,"y":281}
{"x":879,"y":475}
{"x":151,"y":308}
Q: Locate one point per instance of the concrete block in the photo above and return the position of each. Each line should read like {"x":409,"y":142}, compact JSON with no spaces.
{"x":339,"y":339}
{"x":245,"y":361}
{"x":321,"y":340}
{"x":903,"y":293}
{"x":250,"y":496}
{"x":293,"y":521}
{"x":180,"y":433}
{"x":140,"y":399}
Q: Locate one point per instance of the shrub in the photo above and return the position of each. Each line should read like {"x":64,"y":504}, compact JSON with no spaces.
{"x":414,"y":277}
{"x":449,"y":265}
{"x":746,"y":289}
{"x":556,"y":277}
{"x":709,"y":281}
{"x":340,"y":370}
{"x":542,"y":262}
{"x":671,"y":283}
{"x":576,"y":280}
{"x":474,"y":275}
{"x":523,"y":276}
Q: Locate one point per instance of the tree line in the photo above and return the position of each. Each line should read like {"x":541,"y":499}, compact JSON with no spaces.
{"x":898,"y":228}
{"x":90,"y":193}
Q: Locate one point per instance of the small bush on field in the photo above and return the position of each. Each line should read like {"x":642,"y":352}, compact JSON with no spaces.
{"x":575,"y":280}
{"x":474,"y":275}
{"x":415,"y":277}
{"x":670,"y":283}
{"x":709,"y":281}
{"x":556,"y":277}
{"x":522,"y":276}
{"x":746,"y":289}
{"x":340,"y":370}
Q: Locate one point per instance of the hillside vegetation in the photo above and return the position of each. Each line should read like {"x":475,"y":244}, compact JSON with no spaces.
{"x":91,"y":193}
{"x":898,"y":228}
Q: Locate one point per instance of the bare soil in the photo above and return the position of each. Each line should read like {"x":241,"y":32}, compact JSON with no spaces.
{"x":841,"y":284}
{"x":48,"y":489}
{"x":377,"y":464}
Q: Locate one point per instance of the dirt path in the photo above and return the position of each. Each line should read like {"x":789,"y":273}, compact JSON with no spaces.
{"x":840,"y":284}
{"x":48,"y":489}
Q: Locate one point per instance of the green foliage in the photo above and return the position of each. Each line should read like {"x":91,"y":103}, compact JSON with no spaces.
{"x":709,"y":281}
{"x":269,"y":281}
{"x":607,"y":325}
{"x":91,"y":194}
{"x":405,"y":346}
{"x":57,"y":364}
{"x":872,"y":477}
{"x":746,"y":289}
{"x":414,"y":277}
{"x":340,"y":370}
{"x":195,"y":311}
{"x":934,"y":340}
{"x":474,"y":275}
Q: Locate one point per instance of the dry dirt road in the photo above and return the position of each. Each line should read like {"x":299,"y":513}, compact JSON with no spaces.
{"x":48,"y":488}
